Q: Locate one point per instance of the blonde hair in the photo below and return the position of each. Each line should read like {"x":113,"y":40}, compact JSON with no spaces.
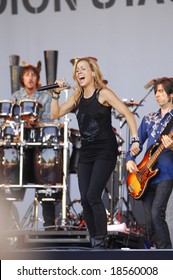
{"x":98,"y":78}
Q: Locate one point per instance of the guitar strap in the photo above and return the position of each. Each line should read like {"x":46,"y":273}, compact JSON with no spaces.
{"x":166,"y":130}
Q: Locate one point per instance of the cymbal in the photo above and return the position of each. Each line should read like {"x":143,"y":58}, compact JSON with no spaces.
{"x":132,"y":103}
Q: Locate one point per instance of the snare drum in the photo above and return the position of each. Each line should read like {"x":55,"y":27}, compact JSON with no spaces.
{"x":30,"y":110}
{"x":6,"y":109}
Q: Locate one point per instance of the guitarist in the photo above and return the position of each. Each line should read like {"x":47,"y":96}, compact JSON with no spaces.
{"x":160,"y":186}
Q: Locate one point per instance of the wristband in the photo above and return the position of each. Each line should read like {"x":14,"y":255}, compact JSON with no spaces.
{"x":135,"y":139}
{"x":57,"y":96}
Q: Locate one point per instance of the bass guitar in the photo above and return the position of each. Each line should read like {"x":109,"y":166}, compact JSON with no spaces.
{"x":137,"y":182}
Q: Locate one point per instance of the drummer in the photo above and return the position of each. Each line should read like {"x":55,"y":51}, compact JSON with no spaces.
{"x":30,"y":81}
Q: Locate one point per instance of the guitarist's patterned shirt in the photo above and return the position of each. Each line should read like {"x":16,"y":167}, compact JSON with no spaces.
{"x":149,"y":130}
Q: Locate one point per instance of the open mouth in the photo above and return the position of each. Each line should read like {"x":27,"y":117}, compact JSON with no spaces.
{"x":81,"y":79}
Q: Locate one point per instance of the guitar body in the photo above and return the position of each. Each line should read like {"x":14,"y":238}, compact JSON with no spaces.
{"x":137,"y":182}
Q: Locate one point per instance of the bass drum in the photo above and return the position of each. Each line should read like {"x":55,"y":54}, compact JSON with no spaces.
{"x":48,"y":170}
{"x":9,"y":172}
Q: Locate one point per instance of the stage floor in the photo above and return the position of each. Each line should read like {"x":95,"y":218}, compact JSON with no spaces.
{"x":74,"y":245}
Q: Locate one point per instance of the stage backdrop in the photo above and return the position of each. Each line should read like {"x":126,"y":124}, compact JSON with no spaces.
{"x":131,"y":39}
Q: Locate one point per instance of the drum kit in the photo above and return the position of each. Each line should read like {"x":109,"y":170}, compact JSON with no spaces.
{"x":35,"y":154}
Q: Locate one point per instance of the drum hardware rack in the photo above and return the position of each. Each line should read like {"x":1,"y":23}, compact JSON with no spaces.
{"x":117,"y":203}
{"x":23,"y":143}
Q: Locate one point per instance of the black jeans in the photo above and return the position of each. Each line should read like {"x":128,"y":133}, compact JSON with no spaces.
{"x":92,"y":181}
{"x":155,"y":202}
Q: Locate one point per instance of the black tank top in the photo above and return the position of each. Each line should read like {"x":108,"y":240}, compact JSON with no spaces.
{"x":97,"y":136}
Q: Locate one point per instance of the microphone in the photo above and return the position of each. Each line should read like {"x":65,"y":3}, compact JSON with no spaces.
{"x":52,"y":86}
{"x":149,"y":84}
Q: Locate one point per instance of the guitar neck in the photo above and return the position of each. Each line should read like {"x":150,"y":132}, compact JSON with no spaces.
{"x":155,"y":155}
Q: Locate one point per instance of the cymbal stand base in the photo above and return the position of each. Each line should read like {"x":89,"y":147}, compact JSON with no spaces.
{"x":118,"y":211}
{"x":31,"y":215}
{"x":127,"y":215}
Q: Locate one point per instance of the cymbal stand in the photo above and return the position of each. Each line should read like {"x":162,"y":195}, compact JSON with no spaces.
{"x":32,"y":212}
{"x":129,"y":212}
{"x":121,"y":180}
{"x":112,"y":179}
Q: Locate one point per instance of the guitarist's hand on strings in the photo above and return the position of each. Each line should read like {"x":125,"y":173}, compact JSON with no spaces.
{"x":131,"y":166}
{"x":167,"y":142}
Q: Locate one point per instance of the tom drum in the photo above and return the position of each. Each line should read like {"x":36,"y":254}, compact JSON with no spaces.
{"x":6,"y":109}
{"x":30,"y":110}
